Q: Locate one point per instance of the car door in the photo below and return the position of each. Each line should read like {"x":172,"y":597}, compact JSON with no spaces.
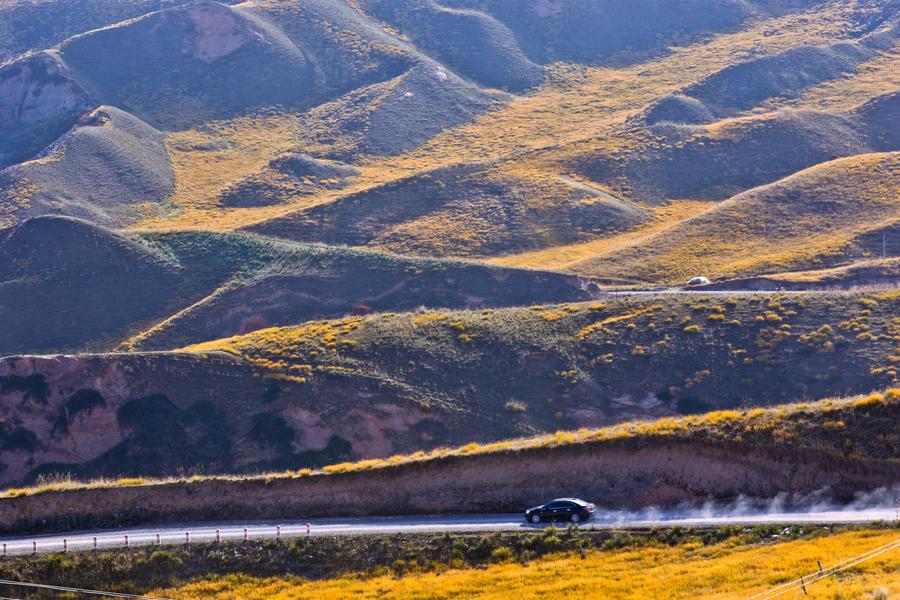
{"x":555,"y":510}
{"x":567,"y":509}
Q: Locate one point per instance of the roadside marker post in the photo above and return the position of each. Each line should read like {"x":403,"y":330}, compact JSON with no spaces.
{"x":218,"y":536}
{"x":278,"y":532}
{"x":307,"y":529}
{"x":157,"y":540}
{"x":4,"y":550}
{"x":65,"y":545}
{"x":187,"y":537}
{"x":34,"y":547}
{"x":246,"y":534}
{"x":126,"y":540}
{"x":95,"y":542}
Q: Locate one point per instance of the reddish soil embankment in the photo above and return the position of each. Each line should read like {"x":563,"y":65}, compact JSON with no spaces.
{"x":624,"y":473}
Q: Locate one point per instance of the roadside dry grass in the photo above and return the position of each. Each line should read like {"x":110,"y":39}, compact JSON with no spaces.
{"x":691,"y":570}
{"x":824,"y":427}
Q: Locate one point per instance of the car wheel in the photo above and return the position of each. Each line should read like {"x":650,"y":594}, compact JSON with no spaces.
{"x":575,"y":518}
{"x":535,"y":518}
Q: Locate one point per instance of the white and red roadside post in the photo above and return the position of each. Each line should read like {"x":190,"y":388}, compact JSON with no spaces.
{"x":65,"y":545}
{"x":278,"y":532}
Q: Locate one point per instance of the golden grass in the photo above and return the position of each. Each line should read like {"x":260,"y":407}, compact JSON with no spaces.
{"x":15,"y":197}
{"x":576,"y":110}
{"x":731,"y":569}
{"x":583,"y":103}
{"x":874,"y":78}
{"x":208,"y":157}
{"x":888,"y":266}
{"x":804,"y":220}
{"x":569,"y":256}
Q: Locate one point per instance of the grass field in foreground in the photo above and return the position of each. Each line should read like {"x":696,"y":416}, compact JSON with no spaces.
{"x":726,"y":570}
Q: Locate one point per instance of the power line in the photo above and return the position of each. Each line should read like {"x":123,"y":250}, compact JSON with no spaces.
{"x":59,"y":588}
{"x":802,"y":582}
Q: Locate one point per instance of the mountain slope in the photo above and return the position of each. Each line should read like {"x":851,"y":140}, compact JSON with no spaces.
{"x":101,"y":170}
{"x":727,"y":157}
{"x":471,"y":210}
{"x":66,"y":284}
{"x":372,"y":386}
{"x":830,"y":214}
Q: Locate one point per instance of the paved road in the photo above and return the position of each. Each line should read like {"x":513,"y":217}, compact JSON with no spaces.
{"x":234,"y":531}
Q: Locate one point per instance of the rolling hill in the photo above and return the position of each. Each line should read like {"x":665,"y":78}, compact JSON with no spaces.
{"x":489,"y":213}
{"x":106,"y":169}
{"x":592,"y":125}
{"x":837,"y":212}
{"x":717,"y":161}
{"x":371,"y":386}
{"x":166,"y":290}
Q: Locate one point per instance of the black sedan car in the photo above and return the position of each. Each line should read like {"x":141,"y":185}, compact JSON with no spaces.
{"x":561,"y":509}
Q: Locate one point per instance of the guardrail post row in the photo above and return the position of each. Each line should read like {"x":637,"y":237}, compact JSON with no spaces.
{"x":246,"y":534}
{"x":218,"y":536}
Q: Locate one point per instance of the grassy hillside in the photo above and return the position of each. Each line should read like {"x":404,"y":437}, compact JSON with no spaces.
{"x":719,"y":160}
{"x":597,"y":363}
{"x":279,"y":283}
{"x":471,"y":210}
{"x":108,"y":169}
{"x":833,"y":449}
{"x":592,"y":32}
{"x":785,"y":75}
{"x":64,"y":283}
{"x":590,"y":121}
{"x":475,"y":565}
{"x":833,"y":213}
{"x":368,"y":386}
{"x":26,"y":25}
{"x":70,"y":285}
{"x":462,"y":39}
{"x":731,"y":570}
